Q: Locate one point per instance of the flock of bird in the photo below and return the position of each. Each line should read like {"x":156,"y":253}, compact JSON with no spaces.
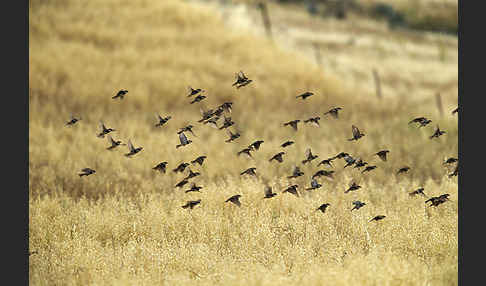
{"x":212,"y":117}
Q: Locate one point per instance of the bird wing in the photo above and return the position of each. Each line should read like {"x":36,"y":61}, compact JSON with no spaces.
{"x":130,"y":146}
{"x":267,"y":190}
{"x":308,"y":153}
{"x":111,"y":140}
{"x":103,"y":127}
{"x":183,"y":138}
{"x":355,"y":131}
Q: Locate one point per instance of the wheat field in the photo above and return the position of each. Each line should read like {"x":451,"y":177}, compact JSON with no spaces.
{"x":124,"y":225}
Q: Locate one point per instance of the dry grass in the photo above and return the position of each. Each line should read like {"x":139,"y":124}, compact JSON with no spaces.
{"x":124,"y":224}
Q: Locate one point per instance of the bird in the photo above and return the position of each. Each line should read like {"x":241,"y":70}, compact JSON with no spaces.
{"x":227,"y":106}
{"x":104,"y":130}
{"x":268,"y":192}
{"x":277,"y":157}
{"x":377,"y":218}
{"x":360,"y":163}
{"x":206,"y":115}
{"x":455,"y":110}
{"x":292,"y":123}
{"x":323,"y":207}
{"x":292,"y":189}
{"x":358,"y":205}
{"x":120,"y":94}
{"x":113,"y":143}
{"x":249,"y":171}
{"x":227,"y":123}
{"x":453,"y":174}
{"x":191,"y":91}
{"x":191,"y":204}
{"x":162,"y":120}
{"x":198,"y":98}
{"x":423,"y":121}
{"x":182,"y":166}
{"x":333,"y":112}
{"x":403,"y":170}
{"x":356,"y":133}
{"x":86,"y":172}
{"x":296,"y":173}
{"x":187,"y":128}
{"x":161,"y":167}
{"x":245,"y":151}
{"x":340,"y":155}
{"x":72,"y":121}
{"x":349,"y":160}
{"x":435,"y":201}
{"x":324,"y":173}
{"x":287,"y":143}
{"x":437,"y":133}
{"x":417,"y":191}
{"x":194,"y":188}
{"x":382,"y":154}
{"x":233,"y":136}
{"x":305,"y":95}
{"x":213,"y":122}
{"x":309,"y":156}
{"x":256,"y":145}
{"x":368,"y":169}
{"x":314,"y":185}
{"x":241,"y":80}
{"x":313,"y":120}
{"x":450,"y":160}
{"x":183,"y":139}
{"x":235,"y":200}
{"x":326,"y":162}
{"x":181,"y":183}
{"x":132,"y":149}
{"x":352,"y":187}
{"x":199,"y":160}
{"x":192,"y":174}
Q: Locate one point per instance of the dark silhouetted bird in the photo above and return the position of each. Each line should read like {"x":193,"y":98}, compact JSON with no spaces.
{"x":194,"y":188}
{"x":450,"y":160}
{"x":191,"y":204}
{"x":326,"y":162}
{"x":227,"y":123}
{"x":314,"y":121}
{"x":120,"y":94}
{"x":356,"y":133}
{"x":305,"y":95}
{"x":358,"y":205}
{"x":292,"y":123}
{"x":377,"y":218}
{"x":288,"y":143}
{"x":382,"y":154}
{"x":161,"y":167}
{"x":360,"y":163}
{"x":334,"y":112}
{"x":352,"y":187}
{"x":205,"y":114}
{"x":235,"y":200}
{"x":198,"y":98}
{"x":233,"y":136}
{"x":132,"y":149}
{"x":292,"y":189}
{"x":183,"y":139}
{"x":296,"y":173}
{"x":423,"y":121}
{"x":454,"y":174}
{"x":368,"y":169}
{"x":199,"y":160}
{"x":314,"y":185}
{"x":435,"y":201}
{"x":277,"y":157}
{"x":268,"y":192}
{"x":241,"y":80}
{"x":349,"y":160}
{"x":245,"y":151}
{"x":417,"y":191}
{"x":249,"y":171}
{"x":309,"y":156}
{"x":113,"y":143}
{"x":455,"y":110}
{"x":437,"y":133}
{"x":191,"y":91}
{"x":104,"y":130}
{"x":182,"y":166}
{"x":341,"y":155}
{"x":162,"y":120}
{"x":324,"y":173}
{"x":227,"y":106}
{"x":323,"y":207}
{"x":256,"y":145}
{"x":403,"y":170}
{"x":72,"y":121}
{"x":181,"y":183}
{"x":86,"y":172}
{"x":192,"y":174}
{"x":213,"y":122}
{"x":187,"y":128}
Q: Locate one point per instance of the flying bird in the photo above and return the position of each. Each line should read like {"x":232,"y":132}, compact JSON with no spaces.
{"x":455,"y":110}
{"x":268,"y":192}
{"x":403,"y":170}
{"x":120,"y":94}
{"x":314,"y":185}
{"x":296,"y":173}
{"x":417,"y":191}
{"x":161,"y":167}
{"x":277,"y":157}
{"x":333,"y":112}
{"x":241,"y":80}
{"x":435,"y":201}
{"x":341,"y":155}
{"x":192,"y":174}
{"x":181,"y":183}
{"x":356,"y":133}
{"x":423,"y":121}
{"x":454,"y":174}
{"x":182,"y":166}
{"x":358,"y":205}
{"x":324,"y":173}
{"x":233,"y":136}
{"x":162,"y":120}
{"x":183,"y":139}
{"x":86,"y":172}
{"x":199,"y":160}
{"x":360,"y":163}
{"x":323,"y":207}
{"x":352,"y":187}
{"x":206,"y":115}
{"x":368,"y":169}
{"x":194,"y":188}
{"x":113,"y":143}
{"x":227,"y":123}
{"x":292,"y":189}
{"x":451,"y":160}
{"x":437,"y":133}
{"x":187,"y":128}
{"x":314,"y":121}
{"x":349,"y":160}
{"x":72,"y":121}
{"x":326,"y":162}
{"x":227,"y":106}
{"x":191,"y":204}
{"x":191,"y":91}
{"x":198,"y":98}
{"x":104,"y":130}
{"x":249,"y":171}
{"x":245,"y":151}
{"x":288,"y":143}
{"x":132,"y":149}
{"x":309,"y":156}
{"x":256,"y":145}
{"x":377,"y":218}
{"x":235,"y":200}
{"x":292,"y":123}
{"x":305,"y":95}
{"x":382,"y":154}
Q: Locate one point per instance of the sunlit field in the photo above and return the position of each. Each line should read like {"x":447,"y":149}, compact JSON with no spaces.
{"x":125,"y":225}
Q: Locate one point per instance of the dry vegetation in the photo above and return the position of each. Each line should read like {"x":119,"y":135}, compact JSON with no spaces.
{"x":124,"y":225}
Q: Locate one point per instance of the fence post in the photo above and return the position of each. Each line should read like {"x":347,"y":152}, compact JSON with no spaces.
{"x":377,"y":83}
{"x":266,"y":19}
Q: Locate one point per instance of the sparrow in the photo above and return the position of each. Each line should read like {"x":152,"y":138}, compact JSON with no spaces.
{"x":377,"y":218}
{"x":340,"y":155}
{"x":296,"y":173}
{"x":358,"y":205}
{"x":194,"y":188}
{"x":268,"y":192}
{"x":309,"y":156}
{"x":181,"y":183}
{"x":113,"y":143}
{"x":191,"y":91}
{"x":417,"y":191}
{"x":403,"y":170}
{"x":352,"y":187}
{"x":277,"y":157}
{"x":199,"y":160}
{"x":191,"y":204}
{"x":256,"y":145}
{"x":368,"y":169}
{"x":183,"y":139}
{"x":314,"y":185}
{"x":132,"y":149}
{"x":245,"y":151}
{"x":120,"y":94}
{"x":161,"y":167}
{"x":356,"y":133}
{"x":288,"y":143}
{"x":162,"y":120}
{"x":293,"y":123}
{"x":437,"y":133}
{"x":305,"y":95}
{"x":249,"y":171}
{"x":292,"y":189}
{"x":313,"y":120}
{"x":198,"y":98}
{"x":333,"y":112}
{"x":326,"y":162}
{"x":104,"y":130}
{"x":323,"y":207}
{"x":323,"y":173}
{"x":382,"y":154}
{"x":86,"y":172}
{"x":233,"y":136}
{"x":235,"y":200}
{"x":182,"y":166}
{"x":72,"y":121}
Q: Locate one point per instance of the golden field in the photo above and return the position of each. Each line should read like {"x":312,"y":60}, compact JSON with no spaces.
{"x":124,"y":225}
